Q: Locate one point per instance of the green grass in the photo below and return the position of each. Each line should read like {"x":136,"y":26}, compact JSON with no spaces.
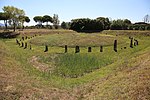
{"x":74,"y":65}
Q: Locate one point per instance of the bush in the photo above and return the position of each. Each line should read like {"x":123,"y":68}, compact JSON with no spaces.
{"x":86,"y":25}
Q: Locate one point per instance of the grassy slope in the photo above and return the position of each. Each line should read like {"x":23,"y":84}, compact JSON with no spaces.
{"x":124,"y":79}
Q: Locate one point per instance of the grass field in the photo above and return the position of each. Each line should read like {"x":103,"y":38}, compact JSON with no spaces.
{"x":35,"y":74}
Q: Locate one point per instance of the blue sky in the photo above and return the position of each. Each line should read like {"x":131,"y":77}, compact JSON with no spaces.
{"x":133,"y":10}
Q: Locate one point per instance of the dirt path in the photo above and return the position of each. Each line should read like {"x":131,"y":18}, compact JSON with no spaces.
{"x":34,"y":60}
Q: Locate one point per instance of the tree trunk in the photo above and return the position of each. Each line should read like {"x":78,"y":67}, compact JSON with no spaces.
{"x":5,"y":22}
{"x":14,"y":27}
{"x":22,"y":25}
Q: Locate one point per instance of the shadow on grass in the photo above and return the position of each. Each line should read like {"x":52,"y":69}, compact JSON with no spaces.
{"x":88,"y":31}
{"x":8,"y":35}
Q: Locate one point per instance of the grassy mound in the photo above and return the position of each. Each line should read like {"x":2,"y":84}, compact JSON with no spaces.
{"x":74,"y":39}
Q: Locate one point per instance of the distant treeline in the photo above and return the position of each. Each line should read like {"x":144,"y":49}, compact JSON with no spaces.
{"x":101,"y":23}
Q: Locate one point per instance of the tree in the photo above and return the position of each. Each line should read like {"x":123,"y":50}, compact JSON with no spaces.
{"x":86,"y":25}
{"x":105,"y":22}
{"x":117,"y":24}
{"x":79,"y":24}
{"x":120,"y":24}
{"x":23,"y":19}
{"x":5,"y":17}
{"x":147,"y":27}
{"x":140,"y":26}
{"x":27,"y":19}
{"x":47,"y":18}
{"x":127,"y":24}
{"x":147,"y":18}
{"x":126,"y":21}
{"x":56,"y":21}
{"x":63,"y":25}
{"x":14,"y":14}
{"x":38,"y":19}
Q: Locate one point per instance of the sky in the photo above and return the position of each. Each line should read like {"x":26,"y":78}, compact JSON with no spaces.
{"x":134,"y":10}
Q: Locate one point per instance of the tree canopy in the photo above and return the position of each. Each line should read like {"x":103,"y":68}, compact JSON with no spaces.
{"x":47,"y":18}
{"x":38,"y":19}
{"x":23,"y":19}
{"x":87,"y":25}
{"x":104,"y":21}
{"x":5,"y":17}
{"x":14,"y":15}
{"x":56,"y":21}
{"x":120,"y":24}
{"x":147,"y":18}
{"x":65,"y":25}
